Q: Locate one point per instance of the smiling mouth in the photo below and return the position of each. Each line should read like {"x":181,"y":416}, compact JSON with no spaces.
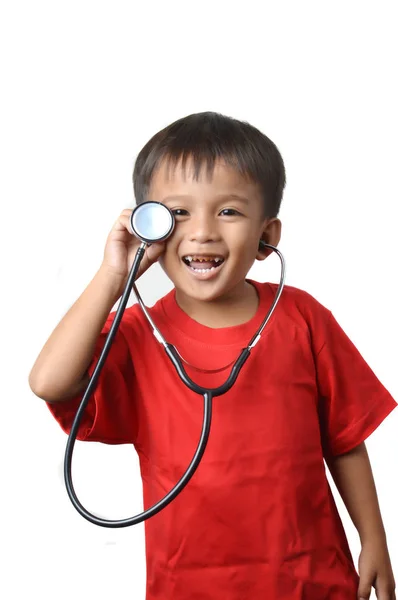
{"x":203,"y":264}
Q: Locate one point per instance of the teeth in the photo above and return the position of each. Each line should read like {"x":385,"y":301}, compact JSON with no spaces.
{"x":203,"y":270}
{"x":200,"y":259}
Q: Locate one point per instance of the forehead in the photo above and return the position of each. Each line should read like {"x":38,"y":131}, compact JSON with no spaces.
{"x":169,"y":179}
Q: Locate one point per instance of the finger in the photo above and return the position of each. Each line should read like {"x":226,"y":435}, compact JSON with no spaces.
{"x":152,"y":254}
{"x":127,"y":212}
{"x":364,"y":589}
{"x":155,"y":250}
{"x":385,"y":591}
{"x":124,"y":222}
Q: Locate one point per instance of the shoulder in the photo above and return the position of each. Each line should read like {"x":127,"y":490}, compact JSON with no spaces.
{"x":298,"y":309}
{"x":296,"y":300}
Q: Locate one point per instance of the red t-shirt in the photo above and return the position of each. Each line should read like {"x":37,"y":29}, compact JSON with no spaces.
{"x":257,"y":520}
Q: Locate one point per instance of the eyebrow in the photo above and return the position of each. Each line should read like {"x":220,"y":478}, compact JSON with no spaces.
{"x":219,"y":197}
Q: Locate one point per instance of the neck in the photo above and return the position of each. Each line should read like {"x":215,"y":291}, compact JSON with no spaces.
{"x":236,"y":307}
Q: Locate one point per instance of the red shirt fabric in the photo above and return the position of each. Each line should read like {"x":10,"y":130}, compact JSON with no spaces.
{"x":258,"y":519}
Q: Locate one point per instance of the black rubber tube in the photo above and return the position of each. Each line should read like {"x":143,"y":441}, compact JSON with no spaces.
{"x":208,"y":395}
{"x":75,"y":427}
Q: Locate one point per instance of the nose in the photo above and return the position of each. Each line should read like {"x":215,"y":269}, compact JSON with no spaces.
{"x":203,"y":229}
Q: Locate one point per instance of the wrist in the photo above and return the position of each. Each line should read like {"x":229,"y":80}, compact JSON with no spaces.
{"x":374,"y":537}
{"x":111,"y":281}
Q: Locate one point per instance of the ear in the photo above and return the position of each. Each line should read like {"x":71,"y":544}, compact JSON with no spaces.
{"x":271,"y":235}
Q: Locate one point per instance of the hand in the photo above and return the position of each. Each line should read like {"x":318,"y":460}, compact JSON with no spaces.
{"x":121,"y":247}
{"x":375,"y":570}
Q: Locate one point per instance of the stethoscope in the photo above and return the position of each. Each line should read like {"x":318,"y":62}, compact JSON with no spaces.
{"x":153,"y":222}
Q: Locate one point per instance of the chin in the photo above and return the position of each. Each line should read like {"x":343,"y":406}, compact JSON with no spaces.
{"x":201,"y":296}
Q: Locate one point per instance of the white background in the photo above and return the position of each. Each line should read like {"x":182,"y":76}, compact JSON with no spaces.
{"x":84,"y":86}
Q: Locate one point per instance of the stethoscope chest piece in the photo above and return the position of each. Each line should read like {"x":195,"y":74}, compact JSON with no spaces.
{"x":152,"y":222}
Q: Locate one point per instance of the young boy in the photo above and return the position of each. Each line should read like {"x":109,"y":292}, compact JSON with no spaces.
{"x":258,"y":520}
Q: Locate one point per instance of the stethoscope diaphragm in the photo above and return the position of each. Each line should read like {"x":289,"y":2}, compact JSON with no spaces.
{"x":152,"y":222}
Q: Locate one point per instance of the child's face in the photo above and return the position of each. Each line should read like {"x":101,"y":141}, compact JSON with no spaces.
{"x":218,"y":220}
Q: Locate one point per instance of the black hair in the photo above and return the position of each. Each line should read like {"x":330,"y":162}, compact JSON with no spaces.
{"x":204,"y":138}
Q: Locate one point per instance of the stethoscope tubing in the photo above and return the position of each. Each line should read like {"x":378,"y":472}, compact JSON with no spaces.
{"x":208,"y":395}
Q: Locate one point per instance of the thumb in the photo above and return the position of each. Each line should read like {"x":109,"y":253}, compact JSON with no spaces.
{"x":154,"y":251}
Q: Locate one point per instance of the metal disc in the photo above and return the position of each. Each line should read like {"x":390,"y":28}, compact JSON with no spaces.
{"x":152,"y":222}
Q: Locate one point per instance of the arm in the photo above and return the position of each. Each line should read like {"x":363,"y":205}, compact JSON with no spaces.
{"x":352,"y":474}
{"x":60,"y":371}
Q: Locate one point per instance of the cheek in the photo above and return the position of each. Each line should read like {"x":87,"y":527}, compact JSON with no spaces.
{"x":241,"y":236}
{"x":245,"y":243}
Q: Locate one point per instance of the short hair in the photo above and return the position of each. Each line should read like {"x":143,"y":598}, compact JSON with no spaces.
{"x":206,"y":137}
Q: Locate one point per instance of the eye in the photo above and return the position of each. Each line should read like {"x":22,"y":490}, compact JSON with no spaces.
{"x":179,"y":212}
{"x":229,"y":212}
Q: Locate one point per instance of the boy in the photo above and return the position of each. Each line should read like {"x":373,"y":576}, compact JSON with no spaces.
{"x":258,"y":519}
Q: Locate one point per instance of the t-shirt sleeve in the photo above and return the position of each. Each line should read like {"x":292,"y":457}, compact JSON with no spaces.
{"x":110,"y":415}
{"x":353,"y":402}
